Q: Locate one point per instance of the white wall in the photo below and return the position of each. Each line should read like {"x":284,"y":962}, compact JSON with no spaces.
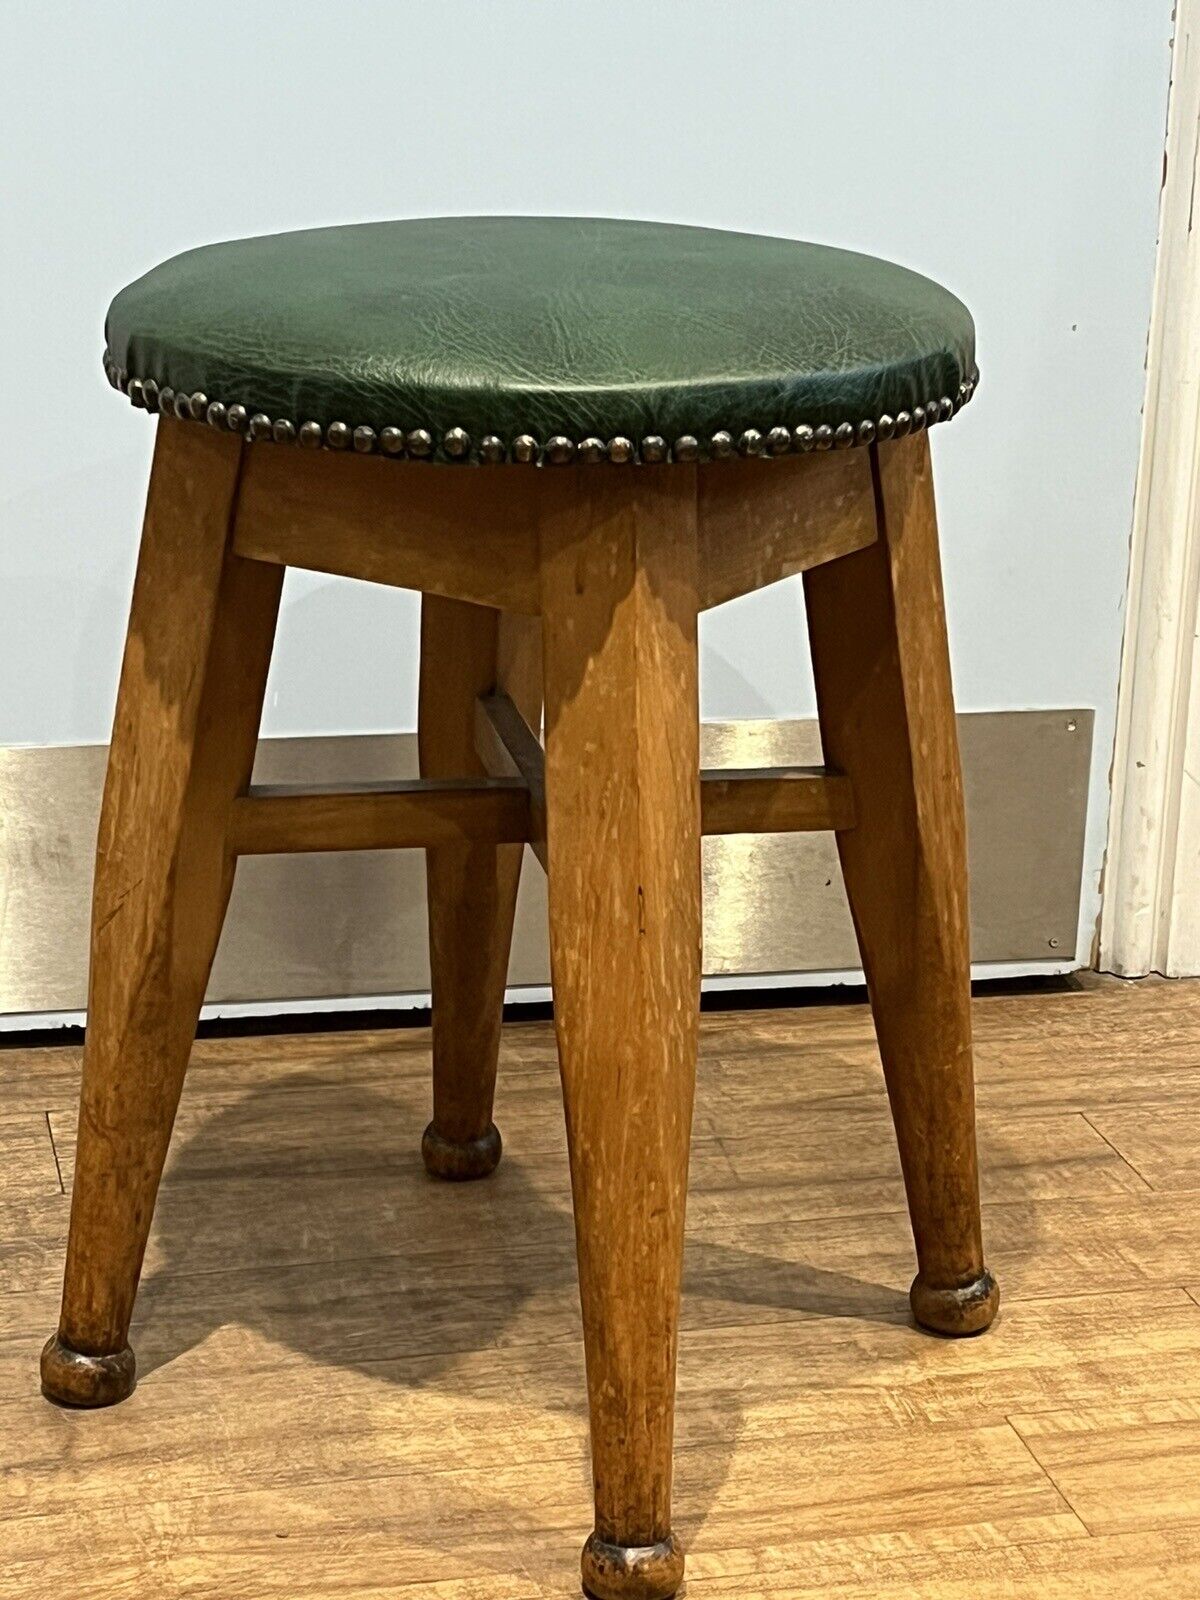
{"x":1014,"y":152}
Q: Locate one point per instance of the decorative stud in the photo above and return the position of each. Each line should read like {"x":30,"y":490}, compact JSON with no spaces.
{"x":455,"y":444}
{"x":560,"y":451}
{"x":392,"y":441}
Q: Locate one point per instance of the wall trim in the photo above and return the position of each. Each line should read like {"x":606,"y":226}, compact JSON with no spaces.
{"x":308,"y":928}
{"x":1150,"y":912}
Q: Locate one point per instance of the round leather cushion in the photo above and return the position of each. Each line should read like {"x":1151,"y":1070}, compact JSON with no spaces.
{"x":544,"y":326}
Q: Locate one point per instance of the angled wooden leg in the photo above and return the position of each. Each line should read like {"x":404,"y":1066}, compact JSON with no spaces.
{"x":882,"y":669}
{"x":623,"y":836}
{"x":468,"y":651}
{"x":196,"y":655}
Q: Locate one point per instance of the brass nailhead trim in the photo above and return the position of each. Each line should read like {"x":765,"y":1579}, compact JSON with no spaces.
{"x":455,"y":444}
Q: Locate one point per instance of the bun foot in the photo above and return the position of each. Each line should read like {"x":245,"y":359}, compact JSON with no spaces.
{"x":956,"y":1311}
{"x":632,"y":1572}
{"x":74,"y":1379}
{"x":461,"y":1159}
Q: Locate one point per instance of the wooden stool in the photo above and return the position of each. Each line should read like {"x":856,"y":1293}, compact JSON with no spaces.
{"x":668,"y":415}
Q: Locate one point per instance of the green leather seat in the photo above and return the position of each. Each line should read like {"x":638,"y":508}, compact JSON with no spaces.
{"x":543,"y":339}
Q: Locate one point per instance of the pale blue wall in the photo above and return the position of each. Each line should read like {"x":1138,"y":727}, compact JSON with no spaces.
{"x":1014,"y":152}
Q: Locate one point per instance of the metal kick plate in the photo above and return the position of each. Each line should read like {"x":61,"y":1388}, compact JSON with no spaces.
{"x":302,"y":927}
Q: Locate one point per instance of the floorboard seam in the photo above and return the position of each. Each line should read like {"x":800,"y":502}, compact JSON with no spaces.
{"x":54,"y":1152}
{"x":1120,"y":1154}
{"x":1050,"y":1478}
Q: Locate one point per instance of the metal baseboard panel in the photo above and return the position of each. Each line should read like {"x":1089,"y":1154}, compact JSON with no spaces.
{"x":303,"y":928}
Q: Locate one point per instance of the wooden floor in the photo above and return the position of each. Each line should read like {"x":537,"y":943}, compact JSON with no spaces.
{"x":358,"y":1383}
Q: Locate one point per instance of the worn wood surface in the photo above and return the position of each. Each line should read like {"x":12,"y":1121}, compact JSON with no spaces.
{"x":774,"y":800}
{"x":881,"y":664}
{"x":508,"y":746}
{"x":468,"y":651}
{"x":470,"y":533}
{"x":759,"y":521}
{"x":732,"y":800}
{"x":356,"y":1382}
{"x":280,"y":819}
{"x":199,"y":641}
{"x":466,"y":534}
{"x":275,"y":819}
{"x":619,"y":610}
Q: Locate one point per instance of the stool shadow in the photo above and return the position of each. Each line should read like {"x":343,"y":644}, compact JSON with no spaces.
{"x":301,"y":1212}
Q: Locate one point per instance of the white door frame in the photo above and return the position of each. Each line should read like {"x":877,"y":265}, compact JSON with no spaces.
{"x":1150,"y":917}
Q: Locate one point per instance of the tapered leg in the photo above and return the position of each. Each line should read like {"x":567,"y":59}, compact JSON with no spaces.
{"x":468,"y":651}
{"x":623,"y":836}
{"x":196,"y":655}
{"x":882,"y":669}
